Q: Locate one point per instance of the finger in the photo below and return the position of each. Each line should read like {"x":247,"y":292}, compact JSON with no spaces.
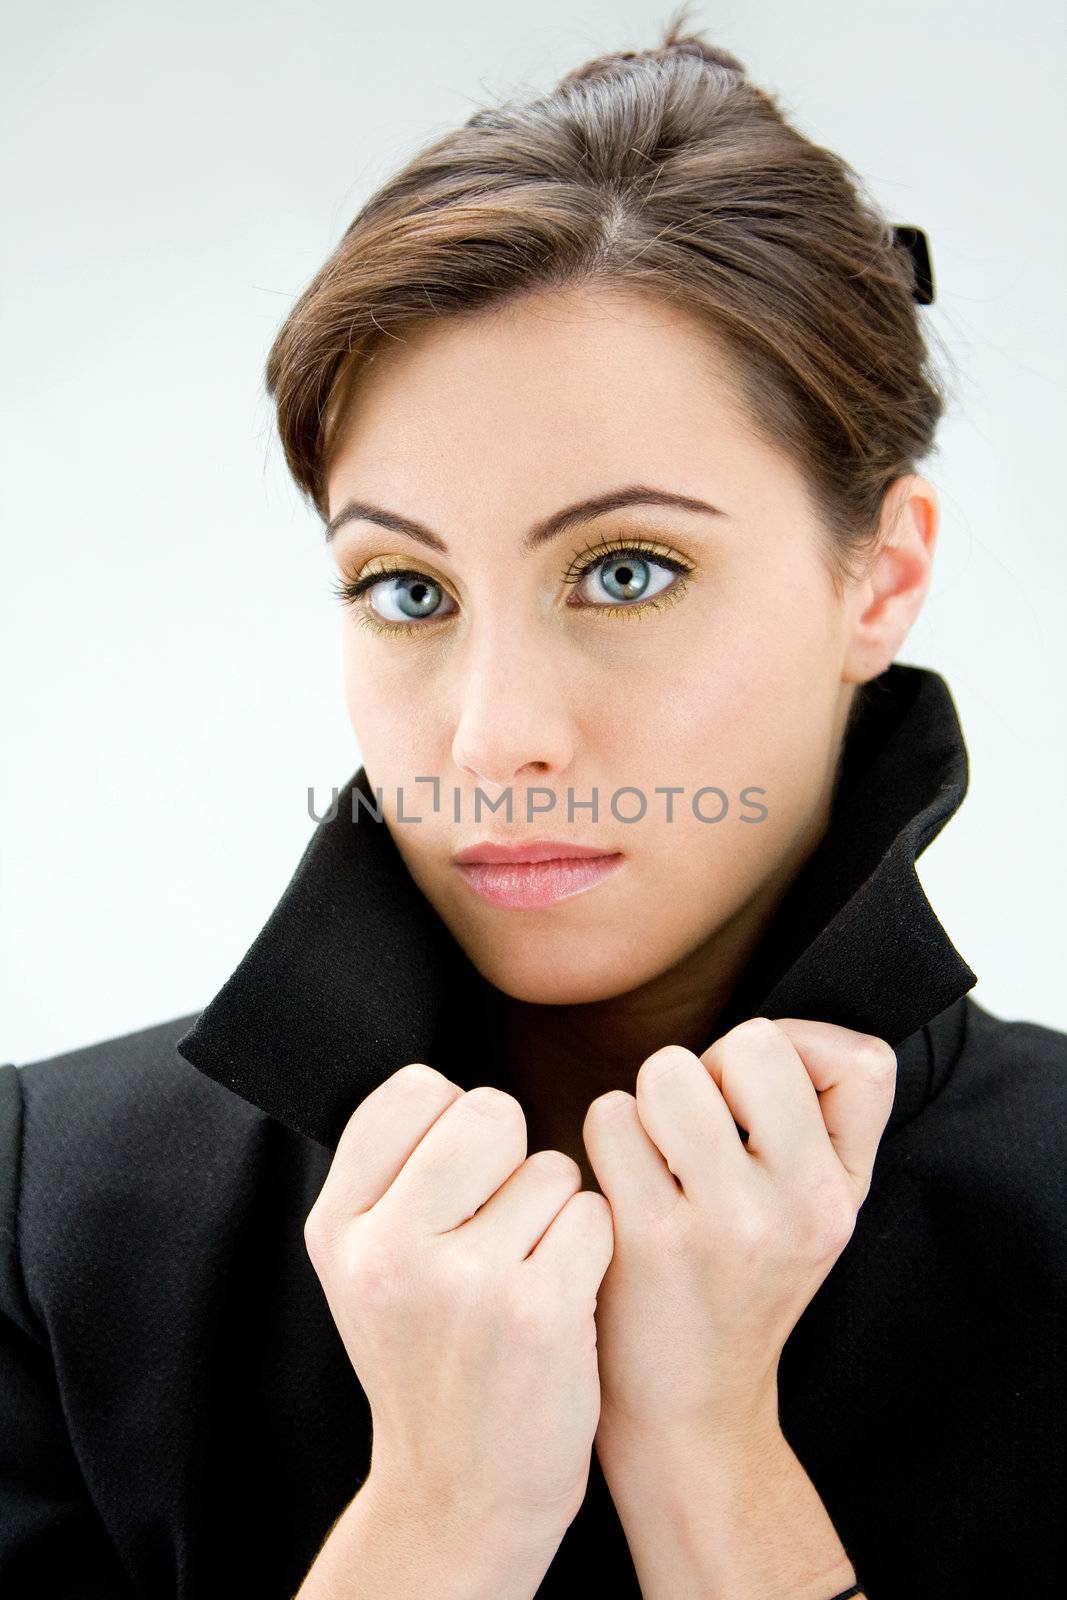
{"x":462,"y":1159}
{"x":767,"y":1088}
{"x":512,"y":1221}
{"x":577,"y":1246}
{"x":854,"y":1075}
{"x":690,"y":1136}
{"x":379,"y":1137}
{"x":631,"y":1172}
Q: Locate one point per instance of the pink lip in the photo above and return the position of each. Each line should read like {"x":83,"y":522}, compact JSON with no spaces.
{"x":526,"y":885}
{"x":533,"y":850}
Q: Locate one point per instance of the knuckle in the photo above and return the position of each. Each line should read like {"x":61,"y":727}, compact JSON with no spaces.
{"x":752,"y":1031}
{"x":493,"y":1102}
{"x":598,"y":1216}
{"x":373,"y":1267}
{"x":659,"y":1067}
{"x":555,"y":1164}
{"x":748,"y":1228}
{"x":825,"y":1223}
{"x":877,"y":1058}
{"x":732,"y":1046}
{"x":419,"y":1072}
{"x":759,"y":1027}
{"x":610,"y":1103}
{"x":316,"y":1232}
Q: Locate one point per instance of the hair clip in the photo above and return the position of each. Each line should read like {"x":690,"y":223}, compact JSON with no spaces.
{"x":917,"y":245}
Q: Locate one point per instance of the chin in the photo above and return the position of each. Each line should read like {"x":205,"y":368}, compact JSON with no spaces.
{"x":556,"y":972}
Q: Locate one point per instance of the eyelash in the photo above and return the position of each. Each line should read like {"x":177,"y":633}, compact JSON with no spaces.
{"x":349,"y":590}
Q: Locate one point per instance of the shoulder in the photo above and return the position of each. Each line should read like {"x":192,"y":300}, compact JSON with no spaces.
{"x":1011,"y":1064}
{"x":113,"y":1091}
{"x":126,"y":1069}
{"x":992,"y":1140}
{"x":114,"y":1153}
{"x":120,"y":1105}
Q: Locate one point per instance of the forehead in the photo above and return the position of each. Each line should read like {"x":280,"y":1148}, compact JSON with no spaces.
{"x":563,"y":393}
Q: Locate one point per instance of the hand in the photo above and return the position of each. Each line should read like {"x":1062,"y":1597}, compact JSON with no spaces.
{"x":719,"y":1247}
{"x":462,"y":1276}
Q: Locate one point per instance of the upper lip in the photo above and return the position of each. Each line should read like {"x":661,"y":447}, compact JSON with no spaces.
{"x":533,"y":850}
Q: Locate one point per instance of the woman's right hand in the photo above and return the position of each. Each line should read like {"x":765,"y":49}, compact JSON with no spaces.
{"x":462,"y":1276}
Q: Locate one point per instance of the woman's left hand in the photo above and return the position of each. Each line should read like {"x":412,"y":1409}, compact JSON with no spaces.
{"x":720,"y":1246}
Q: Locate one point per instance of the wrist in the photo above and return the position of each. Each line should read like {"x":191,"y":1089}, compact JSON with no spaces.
{"x":398,"y":1543}
{"x":455,"y":1506}
{"x":377,"y":1551}
{"x":455,"y":1514}
{"x":729,"y":1516}
{"x":749,"y":1432}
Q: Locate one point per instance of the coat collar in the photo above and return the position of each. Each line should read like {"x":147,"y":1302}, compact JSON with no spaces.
{"x":354,"y":973}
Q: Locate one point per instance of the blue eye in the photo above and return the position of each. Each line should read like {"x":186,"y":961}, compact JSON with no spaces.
{"x":415,"y":596}
{"x":627,"y":576}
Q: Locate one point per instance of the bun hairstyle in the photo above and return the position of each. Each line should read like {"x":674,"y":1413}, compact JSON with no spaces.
{"x":674,"y":43}
{"x":663,"y":173}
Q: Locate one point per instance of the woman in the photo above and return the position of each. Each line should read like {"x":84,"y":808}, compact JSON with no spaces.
{"x":667,"y":1215}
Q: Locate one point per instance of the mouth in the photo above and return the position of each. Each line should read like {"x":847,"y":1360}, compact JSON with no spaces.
{"x":532,"y":850}
{"x":527,"y":877}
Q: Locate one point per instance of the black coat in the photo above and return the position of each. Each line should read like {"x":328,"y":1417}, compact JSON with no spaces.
{"x":178,"y":1416}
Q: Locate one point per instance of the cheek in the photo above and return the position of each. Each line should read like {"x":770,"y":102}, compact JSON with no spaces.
{"x":760,"y":721}
{"x":769,"y":688}
{"x":385,"y":697}
{"x":400,"y":742}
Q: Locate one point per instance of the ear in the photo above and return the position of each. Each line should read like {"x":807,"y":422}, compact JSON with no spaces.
{"x":888,"y":598}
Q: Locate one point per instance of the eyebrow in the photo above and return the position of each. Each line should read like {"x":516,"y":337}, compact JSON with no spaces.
{"x":541,"y":532}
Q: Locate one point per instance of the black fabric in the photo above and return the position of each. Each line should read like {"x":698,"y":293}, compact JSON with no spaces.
{"x":178,"y":1416}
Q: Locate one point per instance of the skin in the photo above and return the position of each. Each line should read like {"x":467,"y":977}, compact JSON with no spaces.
{"x":480,"y":427}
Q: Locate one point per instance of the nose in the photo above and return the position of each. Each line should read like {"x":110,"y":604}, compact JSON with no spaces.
{"x":513,"y":722}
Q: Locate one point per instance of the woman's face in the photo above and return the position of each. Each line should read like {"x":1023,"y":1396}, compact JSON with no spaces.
{"x":563,"y":666}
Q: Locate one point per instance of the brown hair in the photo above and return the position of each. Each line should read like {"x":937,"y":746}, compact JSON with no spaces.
{"x":663,"y":172}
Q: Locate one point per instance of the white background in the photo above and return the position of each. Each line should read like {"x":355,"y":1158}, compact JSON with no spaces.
{"x":172,"y":178}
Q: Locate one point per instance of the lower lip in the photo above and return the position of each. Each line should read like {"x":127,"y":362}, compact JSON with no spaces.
{"x":524,"y":885}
